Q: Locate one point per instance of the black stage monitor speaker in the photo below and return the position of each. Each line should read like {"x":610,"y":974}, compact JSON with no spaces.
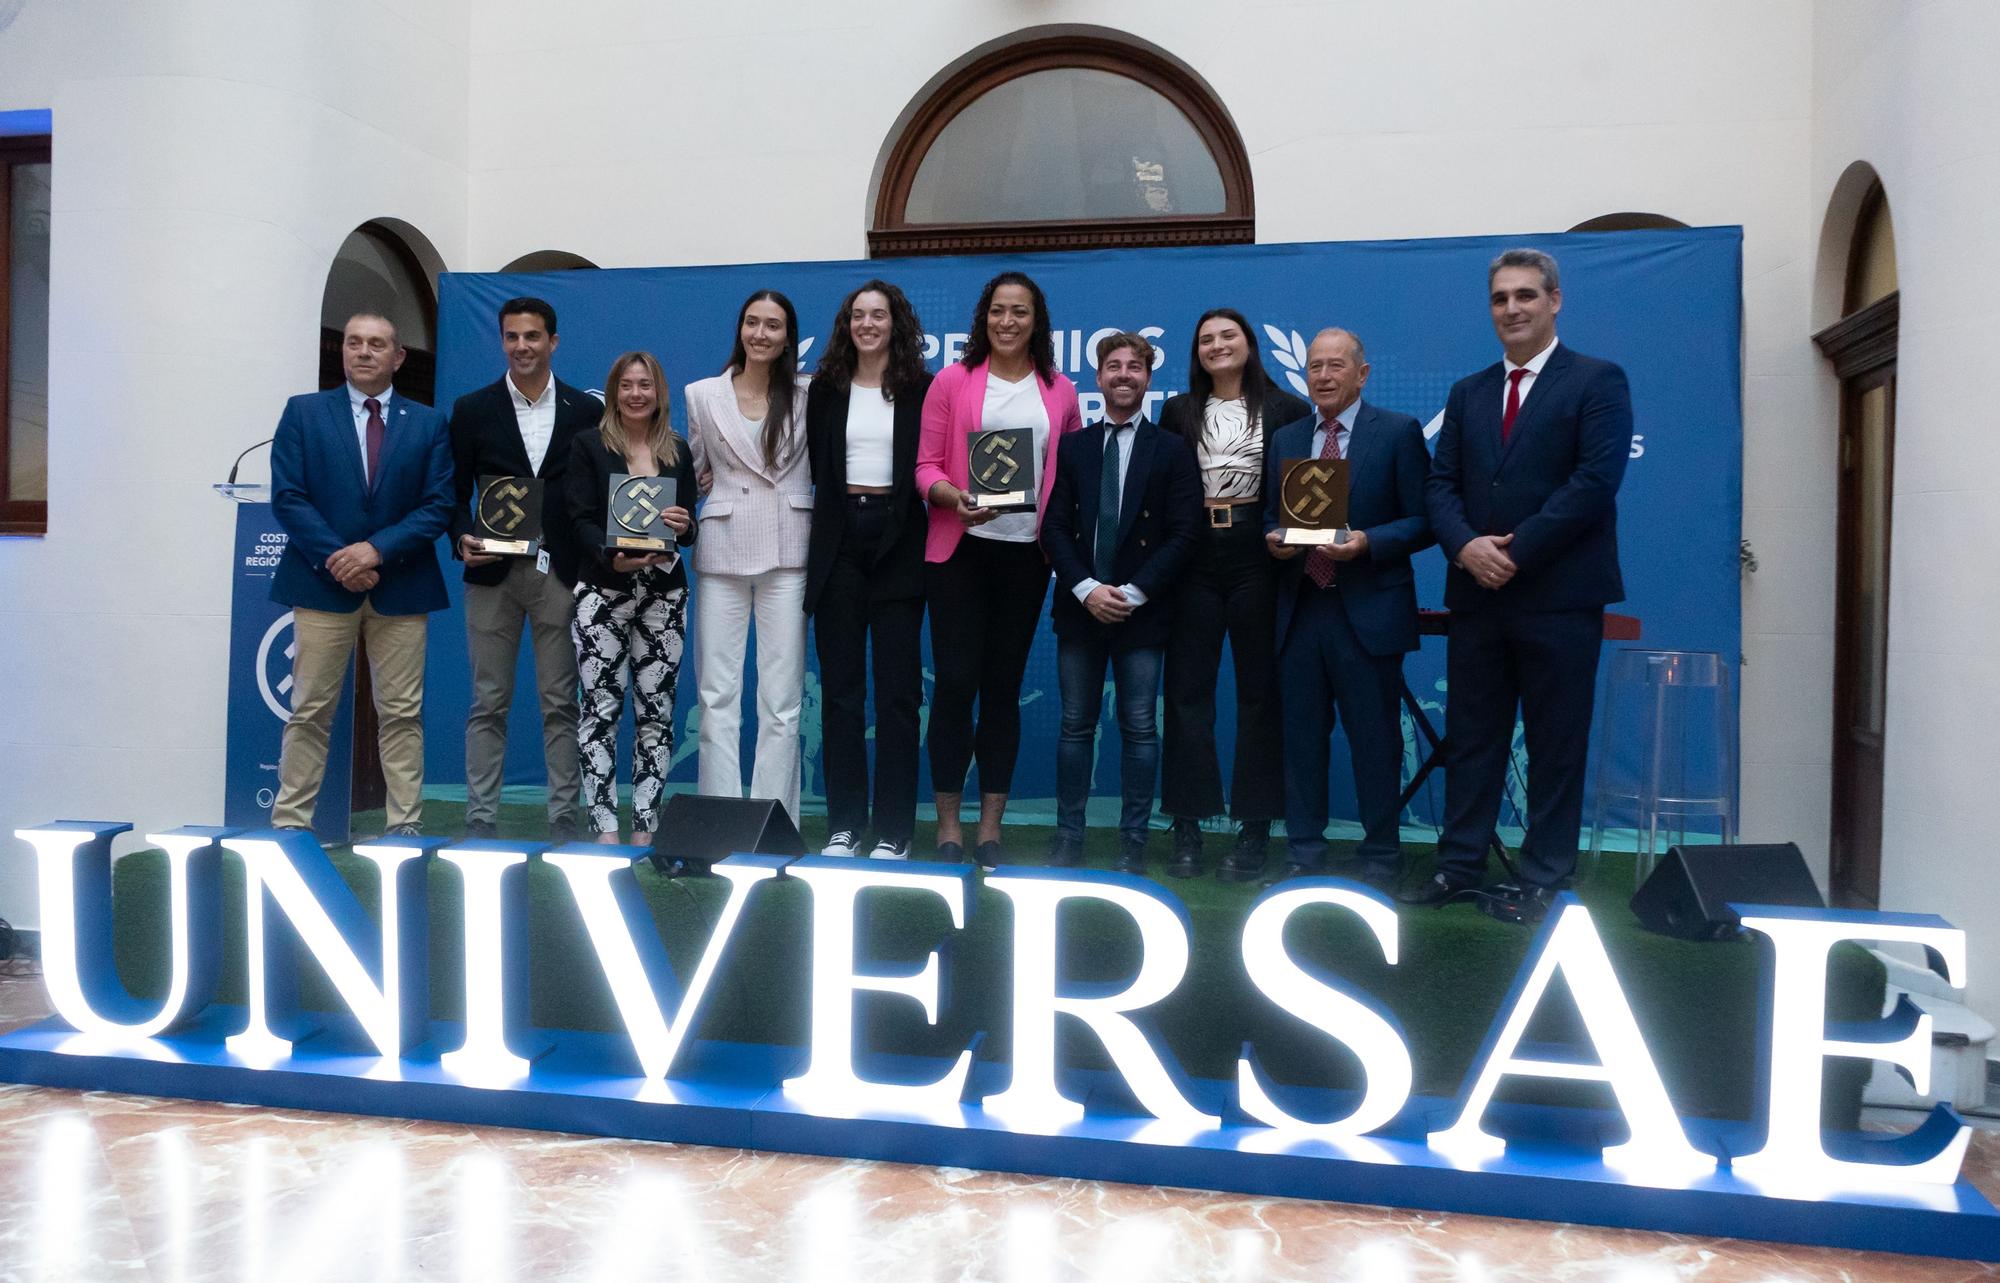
{"x":695,"y":831}
{"x":1690,"y":892}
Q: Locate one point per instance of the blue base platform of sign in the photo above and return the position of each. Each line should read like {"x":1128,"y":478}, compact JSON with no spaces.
{"x":730,"y":1094}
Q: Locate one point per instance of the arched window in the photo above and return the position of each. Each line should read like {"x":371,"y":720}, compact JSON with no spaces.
{"x":1073,"y":142}
{"x":383,"y":267}
{"x":549,"y":260}
{"x":1862,"y":347}
{"x":1630,"y":220}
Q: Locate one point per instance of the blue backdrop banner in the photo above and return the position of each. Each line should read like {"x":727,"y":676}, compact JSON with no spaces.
{"x":1664,"y":304}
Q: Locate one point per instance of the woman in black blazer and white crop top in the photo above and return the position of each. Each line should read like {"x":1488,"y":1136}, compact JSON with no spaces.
{"x":629,"y":609}
{"x":865,"y":563}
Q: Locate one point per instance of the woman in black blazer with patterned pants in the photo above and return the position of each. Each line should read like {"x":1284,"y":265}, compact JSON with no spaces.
{"x":630,"y":626}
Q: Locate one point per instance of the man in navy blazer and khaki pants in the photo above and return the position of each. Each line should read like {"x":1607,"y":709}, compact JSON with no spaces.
{"x":1523,"y":495}
{"x":361,"y":483}
{"x":1347,"y":612}
{"x":1119,"y":528}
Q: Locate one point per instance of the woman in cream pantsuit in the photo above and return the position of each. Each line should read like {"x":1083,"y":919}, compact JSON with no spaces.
{"x":746,"y":430}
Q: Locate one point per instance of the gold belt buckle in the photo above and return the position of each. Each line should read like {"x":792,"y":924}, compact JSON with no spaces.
{"x":1221,"y":518}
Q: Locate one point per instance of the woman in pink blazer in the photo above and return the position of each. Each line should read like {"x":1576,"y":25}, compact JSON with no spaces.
{"x":985,"y":575}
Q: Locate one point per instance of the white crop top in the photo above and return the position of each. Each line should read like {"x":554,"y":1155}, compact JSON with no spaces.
{"x":871,"y":437}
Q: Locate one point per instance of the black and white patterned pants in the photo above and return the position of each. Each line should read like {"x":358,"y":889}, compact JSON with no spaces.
{"x":628,"y":638}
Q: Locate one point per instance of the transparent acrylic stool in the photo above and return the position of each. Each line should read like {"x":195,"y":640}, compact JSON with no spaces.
{"x":1675,"y":772}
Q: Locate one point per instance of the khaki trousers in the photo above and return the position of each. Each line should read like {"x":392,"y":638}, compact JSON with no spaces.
{"x":494,"y":617}
{"x":323,"y":643}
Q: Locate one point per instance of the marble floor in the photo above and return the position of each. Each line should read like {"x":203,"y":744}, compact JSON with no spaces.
{"x":100,"y":1186}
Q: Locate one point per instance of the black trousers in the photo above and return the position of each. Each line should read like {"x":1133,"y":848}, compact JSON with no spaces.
{"x":848,"y":623}
{"x":985,"y":603}
{"x":1546,"y":663}
{"x":1229,"y":589}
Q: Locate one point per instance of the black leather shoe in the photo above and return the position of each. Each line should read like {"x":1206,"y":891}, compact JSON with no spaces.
{"x":1239,"y":866}
{"x":1385,"y":880}
{"x":988,"y":854}
{"x":1063,"y":853}
{"x":1435,"y":893}
{"x":1132,"y":857}
{"x":1253,"y":839}
{"x":562,"y":829}
{"x":1186,"y":861}
{"x":1520,"y":905}
{"x":484,"y":830}
{"x":1291,"y":871}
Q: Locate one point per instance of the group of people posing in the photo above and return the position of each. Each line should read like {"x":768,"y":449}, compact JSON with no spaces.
{"x":846,"y":498}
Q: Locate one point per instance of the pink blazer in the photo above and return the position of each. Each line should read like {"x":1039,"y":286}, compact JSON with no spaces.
{"x":953,"y":408}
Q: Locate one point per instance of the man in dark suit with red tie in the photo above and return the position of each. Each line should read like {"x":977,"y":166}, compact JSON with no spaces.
{"x":1523,"y":496}
{"x":361,"y":483}
{"x":1347,"y":613}
{"x":520,"y":426}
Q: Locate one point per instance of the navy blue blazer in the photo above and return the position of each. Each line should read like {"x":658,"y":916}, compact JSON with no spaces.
{"x":1159,"y":512}
{"x":1386,"y":467}
{"x":320,"y":494}
{"x":1554,"y":487}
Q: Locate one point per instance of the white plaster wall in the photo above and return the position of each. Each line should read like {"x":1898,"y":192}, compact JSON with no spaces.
{"x":1909,"y":89}
{"x":209,"y":159}
{"x":211,"y":156}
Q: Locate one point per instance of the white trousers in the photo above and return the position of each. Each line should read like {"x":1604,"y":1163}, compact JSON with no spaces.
{"x":724,"y":607}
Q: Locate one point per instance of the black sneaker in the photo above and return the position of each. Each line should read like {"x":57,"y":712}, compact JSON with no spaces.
{"x":841,"y":842}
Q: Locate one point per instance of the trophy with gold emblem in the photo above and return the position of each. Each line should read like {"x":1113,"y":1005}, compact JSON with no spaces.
{"x":507,"y":519}
{"x":1312,"y":502}
{"x":635,"y":520}
{"x":1001,"y":467}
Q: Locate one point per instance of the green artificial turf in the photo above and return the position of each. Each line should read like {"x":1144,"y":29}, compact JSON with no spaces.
{"x":1695,"y":1003}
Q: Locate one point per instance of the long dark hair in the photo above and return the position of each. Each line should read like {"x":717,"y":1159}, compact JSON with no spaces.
{"x":784,"y":384}
{"x":906,"y":345}
{"x":1041,"y":341}
{"x":1201,"y":384}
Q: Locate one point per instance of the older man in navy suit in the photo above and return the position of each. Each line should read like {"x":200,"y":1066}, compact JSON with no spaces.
{"x":1523,"y":495}
{"x":361,"y":482}
{"x":1119,"y":528}
{"x":1347,"y":612}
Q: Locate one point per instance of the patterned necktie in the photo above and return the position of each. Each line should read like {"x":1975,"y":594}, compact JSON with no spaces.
{"x":1320,"y":562}
{"x":1107,"y":510}
{"x":1514,"y":378}
{"x":376,"y":431}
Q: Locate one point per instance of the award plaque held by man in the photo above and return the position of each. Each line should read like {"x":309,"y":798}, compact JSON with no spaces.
{"x":507,"y":520}
{"x":1001,"y":469}
{"x":1312,"y":502}
{"x":635,"y":518}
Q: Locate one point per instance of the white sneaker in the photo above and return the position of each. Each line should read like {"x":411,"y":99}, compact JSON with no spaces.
{"x":841,"y":843}
{"x":887,"y":850}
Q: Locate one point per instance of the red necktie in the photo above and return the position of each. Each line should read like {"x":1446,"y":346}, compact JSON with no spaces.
{"x":1320,"y":562}
{"x":1514,"y":378}
{"x":375,"y":434}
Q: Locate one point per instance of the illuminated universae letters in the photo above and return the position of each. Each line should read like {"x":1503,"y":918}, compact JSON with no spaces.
{"x":1902,"y":1192}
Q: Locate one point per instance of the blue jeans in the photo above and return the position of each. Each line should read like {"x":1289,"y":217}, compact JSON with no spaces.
{"x":1080,"y":667}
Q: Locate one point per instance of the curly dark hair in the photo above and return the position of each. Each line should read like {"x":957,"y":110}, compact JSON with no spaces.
{"x":784,"y":382}
{"x":1201,"y":384}
{"x":906,"y":345}
{"x":1041,"y":341}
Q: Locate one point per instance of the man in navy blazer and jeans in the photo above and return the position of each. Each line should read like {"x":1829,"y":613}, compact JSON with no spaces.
{"x":1523,"y":495}
{"x":361,"y":483}
{"x":1120,"y":525}
{"x":1347,"y":612}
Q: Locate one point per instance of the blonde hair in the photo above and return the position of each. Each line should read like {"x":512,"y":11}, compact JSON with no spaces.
{"x":659,"y":432}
